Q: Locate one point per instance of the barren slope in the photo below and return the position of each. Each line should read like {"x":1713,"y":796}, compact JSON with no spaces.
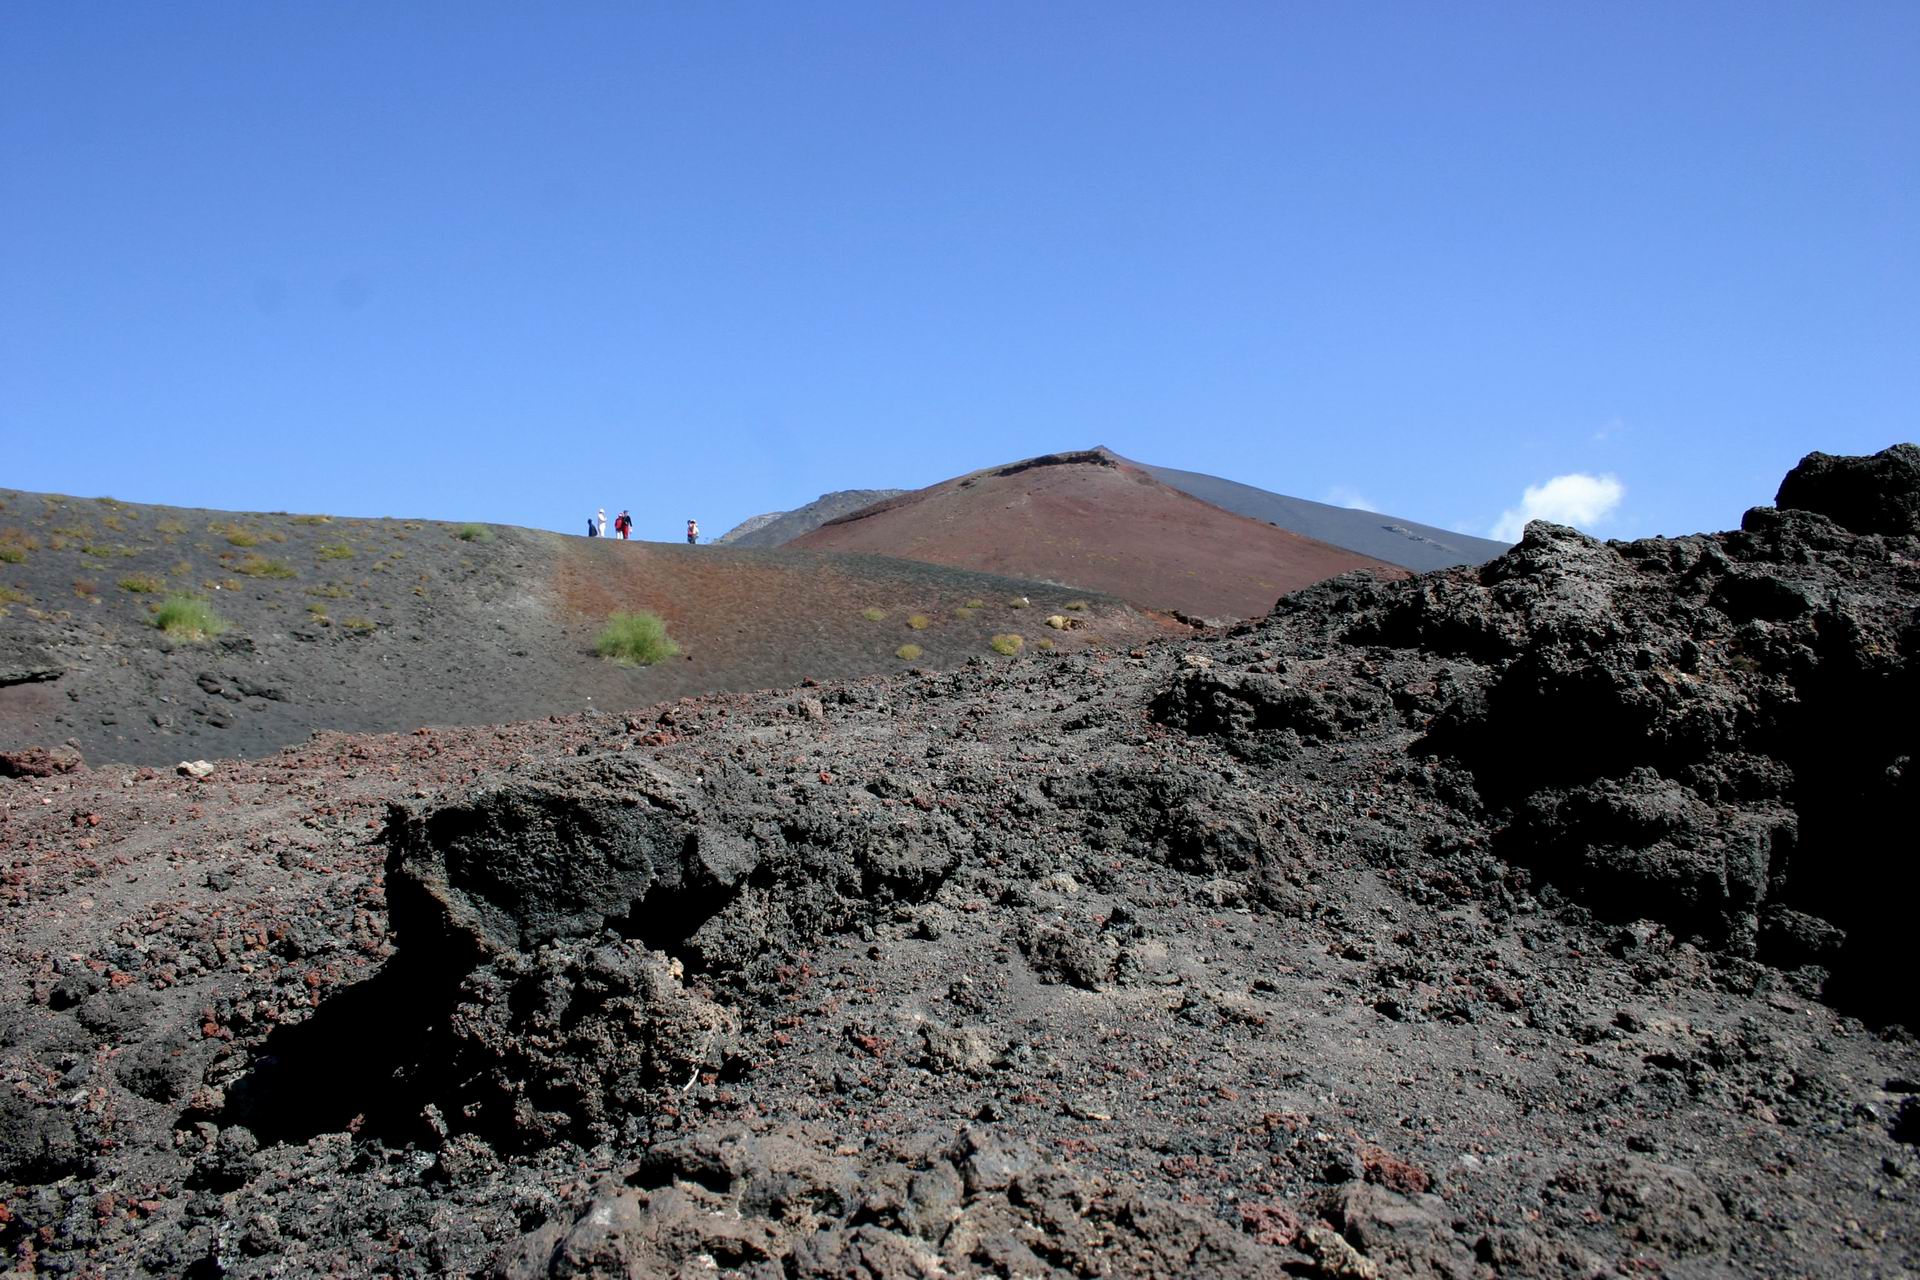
{"x":1088,"y":520}
{"x":388,"y":624}
{"x":777,"y":528}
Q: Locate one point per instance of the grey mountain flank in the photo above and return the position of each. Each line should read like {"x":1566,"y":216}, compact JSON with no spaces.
{"x":1535,"y":918}
{"x":1406,"y":543}
{"x":778,"y":528}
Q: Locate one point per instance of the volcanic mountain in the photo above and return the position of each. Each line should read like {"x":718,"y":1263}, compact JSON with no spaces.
{"x":1090,"y":519}
{"x":1535,"y":919}
{"x":360,"y":625}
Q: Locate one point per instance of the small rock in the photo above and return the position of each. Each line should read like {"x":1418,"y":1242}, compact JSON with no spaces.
{"x":193,"y":768}
{"x":39,"y":762}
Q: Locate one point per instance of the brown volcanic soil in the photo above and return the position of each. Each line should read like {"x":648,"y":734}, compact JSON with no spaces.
{"x":381,"y":625}
{"x":1320,"y":948}
{"x":1091,"y":520}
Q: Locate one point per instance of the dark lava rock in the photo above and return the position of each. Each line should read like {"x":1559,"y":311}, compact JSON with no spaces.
{"x":38,"y":1141}
{"x":1878,"y":494}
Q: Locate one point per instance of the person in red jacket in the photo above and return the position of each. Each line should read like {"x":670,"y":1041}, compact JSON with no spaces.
{"x":623,"y":525}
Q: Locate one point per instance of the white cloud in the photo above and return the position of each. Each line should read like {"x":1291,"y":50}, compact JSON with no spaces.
{"x":1341,"y":496}
{"x":1577,"y":499}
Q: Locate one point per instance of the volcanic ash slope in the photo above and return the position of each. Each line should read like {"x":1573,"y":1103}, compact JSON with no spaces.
{"x":1089,"y":519}
{"x":1539,"y":919}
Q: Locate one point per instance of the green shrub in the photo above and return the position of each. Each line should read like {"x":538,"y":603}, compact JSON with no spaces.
{"x":635,"y":639}
{"x":334,"y":551}
{"x":261,"y":567}
{"x":1078,"y":606}
{"x":473,"y":533}
{"x":976,"y":604}
{"x":1043,"y":643}
{"x":919,"y":622}
{"x":170,"y":527}
{"x":83,"y":588}
{"x":188,"y":617}
{"x":141,"y":583}
{"x":9,"y":596}
{"x":1008,"y":645}
{"x":362,"y":625}
{"x":1018,"y":602}
{"x":313,"y":519}
{"x":332,"y":591}
{"x":12,"y":553}
{"x":237,"y":536}
{"x":874,"y":615}
{"x":965,"y":611}
{"x":908,"y":652}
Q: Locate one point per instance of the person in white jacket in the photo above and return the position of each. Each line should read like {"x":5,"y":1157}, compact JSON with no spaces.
{"x":603,"y":522}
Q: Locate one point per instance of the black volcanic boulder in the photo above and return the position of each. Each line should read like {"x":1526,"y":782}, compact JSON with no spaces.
{"x":558,"y":922}
{"x":1877,"y":494}
{"x":556,"y":853}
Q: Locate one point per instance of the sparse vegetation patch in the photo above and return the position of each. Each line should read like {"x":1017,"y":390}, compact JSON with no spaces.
{"x":142,"y":584}
{"x":236,"y":535}
{"x":188,"y":617}
{"x":335,"y":551}
{"x":261,"y":567}
{"x":635,"y":639}
{"x":1007,"y":644}
{"x":908,"y":652}
{"x":919,"y":622}
{"x":473,"y":533}
{"x":874,"y":615}
{"x":313,"y":519}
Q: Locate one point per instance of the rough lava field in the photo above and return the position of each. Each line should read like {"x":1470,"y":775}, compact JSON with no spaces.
{"x":1543,"y":918}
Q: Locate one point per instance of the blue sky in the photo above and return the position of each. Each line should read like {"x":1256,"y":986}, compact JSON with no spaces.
{"x":513,"y":262}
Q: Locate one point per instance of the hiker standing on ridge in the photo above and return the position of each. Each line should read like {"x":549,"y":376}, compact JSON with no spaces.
{"x":623,"y":524}
{"x":603,"y":522}
{"x":593,"y":529}
{"x":693,"y":532}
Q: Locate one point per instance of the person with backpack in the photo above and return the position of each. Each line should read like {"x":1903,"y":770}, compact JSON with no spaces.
{"x":623,"y":525}
{"x":593,"y":527}
{"x":693,"y":532}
